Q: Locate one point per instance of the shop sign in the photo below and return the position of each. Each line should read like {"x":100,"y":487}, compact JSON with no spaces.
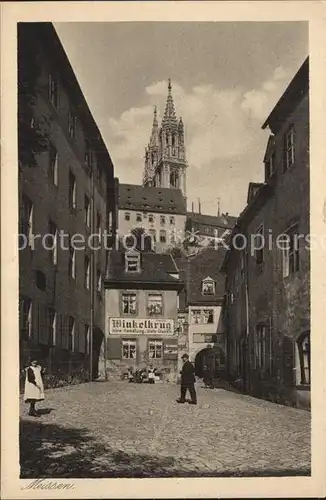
{"x":170,"y":349}
{"x":141,"y":326}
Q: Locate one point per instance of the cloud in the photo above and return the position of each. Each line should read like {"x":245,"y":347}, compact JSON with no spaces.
{"x":220,"y":124}
{"x":258,"y":103}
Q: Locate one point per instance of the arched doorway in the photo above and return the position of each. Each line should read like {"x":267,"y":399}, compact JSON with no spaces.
{"x":213,"y":358}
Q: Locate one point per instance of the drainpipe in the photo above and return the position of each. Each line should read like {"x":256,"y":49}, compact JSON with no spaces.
{"x":92,"y":263}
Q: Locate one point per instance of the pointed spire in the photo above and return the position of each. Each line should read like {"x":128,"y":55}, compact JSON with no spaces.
{"x":169,"y":118}
{"x":154,"y":135}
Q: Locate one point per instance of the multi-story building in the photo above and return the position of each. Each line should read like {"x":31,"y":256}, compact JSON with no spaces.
{"x":161,"y":212}
{"x":67,"y":206}
{"x":267,"y":305}
{"x":141,"y":295}
{"x":201,"y":307}
{"x":207,"y":229}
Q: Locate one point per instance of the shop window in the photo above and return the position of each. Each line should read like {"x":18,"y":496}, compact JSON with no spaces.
{"x":128,"y":349}
{"x":208,"y":287}
{"x":155,"y":349}
{"x":129,"y":303}
{"x":155,"y":304}
{"x":304,"y":359}
{"x":291,"y":251}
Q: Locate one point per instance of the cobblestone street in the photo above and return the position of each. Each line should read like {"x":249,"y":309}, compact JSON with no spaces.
{"x":116,"y":429}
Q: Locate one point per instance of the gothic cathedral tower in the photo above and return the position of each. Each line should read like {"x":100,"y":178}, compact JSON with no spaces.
{"x":165,"y":155}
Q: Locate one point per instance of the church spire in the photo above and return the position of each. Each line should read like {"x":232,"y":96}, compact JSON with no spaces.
{"x":169,"y":118}
{"x":154,"y":136}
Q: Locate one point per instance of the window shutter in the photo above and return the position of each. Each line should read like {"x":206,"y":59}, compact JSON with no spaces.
{"x":114,"y":347}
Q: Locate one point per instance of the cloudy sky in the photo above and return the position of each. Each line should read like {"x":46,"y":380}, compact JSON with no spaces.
{"x":226,"y":78}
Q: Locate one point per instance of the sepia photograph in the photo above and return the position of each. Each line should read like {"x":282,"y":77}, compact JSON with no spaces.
{"x":164,"y":249}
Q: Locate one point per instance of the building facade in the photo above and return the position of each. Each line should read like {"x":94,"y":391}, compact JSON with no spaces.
{"x":161,"y":212}
{"x":141,"y":295}
{"x":68,"y":191}
{"x":267,"y":304}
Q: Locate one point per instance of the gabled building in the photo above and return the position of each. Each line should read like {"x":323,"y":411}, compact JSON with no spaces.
{"x":267,"y":302}
{"x":141,"y":297}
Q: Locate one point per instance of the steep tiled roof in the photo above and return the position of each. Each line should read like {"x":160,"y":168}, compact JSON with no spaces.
{"x":155,"y":269}
{"x":224,"y":220}
{"x":151,"y":199}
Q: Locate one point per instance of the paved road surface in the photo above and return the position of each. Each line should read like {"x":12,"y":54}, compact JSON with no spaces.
{"x":116,"y":429}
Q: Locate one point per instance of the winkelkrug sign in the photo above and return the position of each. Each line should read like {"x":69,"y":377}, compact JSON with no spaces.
{"x":141,"y":326}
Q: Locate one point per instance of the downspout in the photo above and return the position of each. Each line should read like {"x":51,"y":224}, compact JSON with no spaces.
{"x":91,"y":332}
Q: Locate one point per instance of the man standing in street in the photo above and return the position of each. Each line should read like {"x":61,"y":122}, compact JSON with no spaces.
{"x":187,"y":381}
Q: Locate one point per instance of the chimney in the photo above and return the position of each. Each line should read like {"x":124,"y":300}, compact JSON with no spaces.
{"x":218,"y":207}
{"x":226,"y":214}
{"x":199,"y":206}
{"x":192,"y":207}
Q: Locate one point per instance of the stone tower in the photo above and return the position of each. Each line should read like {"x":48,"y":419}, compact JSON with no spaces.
{"x":165,"y":155}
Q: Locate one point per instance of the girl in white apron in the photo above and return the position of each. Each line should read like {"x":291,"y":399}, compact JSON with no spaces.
{"x":34,"y":388}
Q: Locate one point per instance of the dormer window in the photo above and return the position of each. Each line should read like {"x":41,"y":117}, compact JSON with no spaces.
{"x":208,"y":286}
{"x":132,"y":262}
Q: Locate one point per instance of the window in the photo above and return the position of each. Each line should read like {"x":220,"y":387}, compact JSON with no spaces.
{"x":88,"y":155}
{"x":87,"y":272}
{"x":208,"y":287}
{"x":291,"y":251}
{"x":139,"y":218}
{"x":53,"y":244}
{"x":127,"y":216}
{"x":129,"y":303}
{"x":195,"y":316}
{"x":270,"y":166}
{"x":53,"y":154}
{"x":202,"y":316}
{"x":72,"y":262}
{"x":27,"y":219}
{"x":151,"y":218}
{"x":128,"y":349}
{"x":72,"y":121}
{"x":155,"y":348}
{"x":288,"y":149}
{"x":87,"y":212}
{"x":40,"y":280}
{"x":132,"y":262}
{"x":259,"y":246}
{"x":163,"y":236}
{"x":304,"y":359}
{"x":260,"y":346}
{"x":72,"y":191}
{"x":26,"y":311}
{"x":162,"y":220}
{"x":99,"y":281}
{"x":155,"y":304}
{"x":152,"y":233}
{"x":52,"y":315}
{"x":172,"y":221}
{"x":54,"y":90}
{"x":172,"y":237}
{"x":71,"y":333}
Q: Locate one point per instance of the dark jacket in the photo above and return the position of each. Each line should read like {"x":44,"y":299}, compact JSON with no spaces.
{"x":187,"y":374}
